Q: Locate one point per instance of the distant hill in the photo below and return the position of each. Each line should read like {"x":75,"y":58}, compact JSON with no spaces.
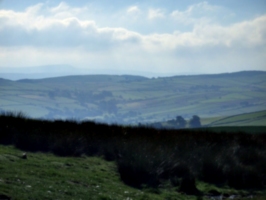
{"x":37,"y":72}
{"x":4,"y":81}
{"x":133,"y":99}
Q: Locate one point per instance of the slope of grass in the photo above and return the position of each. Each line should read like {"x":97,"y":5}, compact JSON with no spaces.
{"x":254,"y":122}
{"x":164,"y":164}
{"x":45,"y":176}
{"x":247,"y":119}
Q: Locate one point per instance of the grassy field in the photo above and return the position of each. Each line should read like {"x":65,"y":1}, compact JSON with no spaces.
{"x":254,"y":122}
{"x":71,"y":160}
{"x":45,"y":176}
{"x":133,"y":99}
{"x":247,"y":119}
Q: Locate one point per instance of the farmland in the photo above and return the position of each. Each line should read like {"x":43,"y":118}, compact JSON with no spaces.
{"x":131,"y":99}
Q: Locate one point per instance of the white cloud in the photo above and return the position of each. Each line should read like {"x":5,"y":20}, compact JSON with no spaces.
{"x":133,"y":10}
{"x":63,"y":34}
{"x":63,"y":10}
{"x":60,"y":8}
{"x":26,"y":29}
{"x":202,"y":13}
{"x":155,"y":13}
{"x":203,"y":7}
{"x":245,"y":34}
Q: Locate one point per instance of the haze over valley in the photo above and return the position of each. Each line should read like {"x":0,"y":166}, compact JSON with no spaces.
{"x":126,"y":99}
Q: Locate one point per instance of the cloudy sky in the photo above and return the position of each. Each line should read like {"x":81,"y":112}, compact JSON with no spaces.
{"x":142,"y":37}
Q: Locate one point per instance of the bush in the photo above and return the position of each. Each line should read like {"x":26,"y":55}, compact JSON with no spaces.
{"x":146,"y":156}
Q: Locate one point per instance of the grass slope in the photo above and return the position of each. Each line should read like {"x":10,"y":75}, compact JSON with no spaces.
{"x":254,"y":122}
{"x":247,"y":119}
{"x":132,"y":99}
{"x":45,"y":176}
{"x":131,"y":163}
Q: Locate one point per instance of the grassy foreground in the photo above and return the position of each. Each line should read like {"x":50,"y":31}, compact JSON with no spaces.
{"x":70,"y":160}
{"x":46,"y":176}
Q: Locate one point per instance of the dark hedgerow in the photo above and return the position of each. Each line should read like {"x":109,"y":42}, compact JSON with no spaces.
{"x":148,"y":157}
{"x":212,"y":172}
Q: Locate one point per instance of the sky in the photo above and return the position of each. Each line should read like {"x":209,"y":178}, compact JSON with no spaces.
{"x":162,"y":37}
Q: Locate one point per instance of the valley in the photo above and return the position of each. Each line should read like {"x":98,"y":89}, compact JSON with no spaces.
{"x":132,"y":99}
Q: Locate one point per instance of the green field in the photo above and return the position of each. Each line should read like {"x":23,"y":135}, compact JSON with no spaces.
{"x":45,"y":176}
{"x":133,"y":99}
{"x":247,"y":119}
{"x":254,"y":122}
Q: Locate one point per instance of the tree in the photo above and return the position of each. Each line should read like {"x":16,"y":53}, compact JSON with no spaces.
{"x":180,"y":122}
{"x":194,"y":122}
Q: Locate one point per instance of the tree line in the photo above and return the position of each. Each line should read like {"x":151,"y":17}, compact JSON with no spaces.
{"x":178,"y":123}
{"x":194,"y":122}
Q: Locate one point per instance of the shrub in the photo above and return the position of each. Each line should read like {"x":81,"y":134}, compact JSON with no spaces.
{"x":147,"y":156}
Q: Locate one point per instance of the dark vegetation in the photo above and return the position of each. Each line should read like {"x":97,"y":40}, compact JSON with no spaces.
{"x":178,"y":123}
{"x":146,"y":157}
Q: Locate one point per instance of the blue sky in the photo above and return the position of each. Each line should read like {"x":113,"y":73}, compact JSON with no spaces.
{"x":141,"y":37}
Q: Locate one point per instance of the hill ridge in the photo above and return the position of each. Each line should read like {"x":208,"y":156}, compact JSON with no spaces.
{"x":133,"y":99}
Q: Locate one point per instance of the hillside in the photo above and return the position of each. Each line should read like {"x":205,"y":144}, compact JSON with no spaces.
{"x":43,"y":159}
{"x":39,"y":177}
{"x":133,"y":99}
{"x":247,"y":119}
{"x":254,"y":122}
{"x":80,"y":178}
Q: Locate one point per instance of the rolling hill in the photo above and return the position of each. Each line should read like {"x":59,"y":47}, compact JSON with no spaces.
{"x":246,"y":119}
{"x":132,"y":99}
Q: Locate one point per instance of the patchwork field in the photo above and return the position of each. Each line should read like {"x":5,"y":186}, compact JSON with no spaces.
{"x":247,"y":119}
{"x":133,"y":99}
